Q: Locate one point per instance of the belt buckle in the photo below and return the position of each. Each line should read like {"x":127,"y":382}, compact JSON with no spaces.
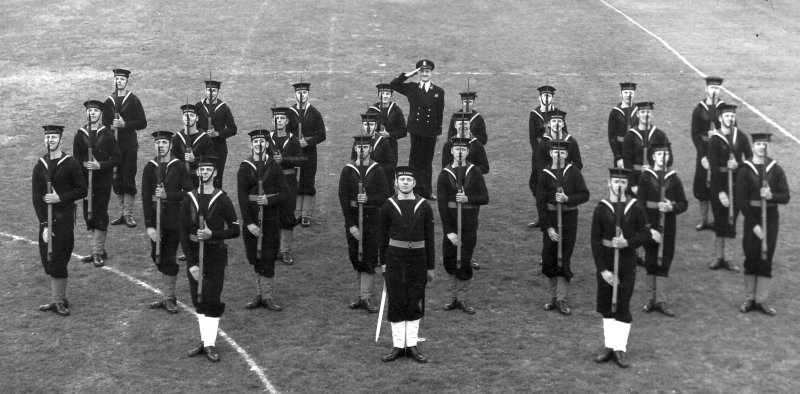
{"x":409,"y":244}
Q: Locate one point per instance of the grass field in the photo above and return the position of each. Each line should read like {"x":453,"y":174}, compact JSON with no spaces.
{"x":55,"y":56}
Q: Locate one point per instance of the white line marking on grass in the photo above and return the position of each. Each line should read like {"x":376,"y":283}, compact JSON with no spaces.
{"x":268,"y":387}
{"x":703,"y":75}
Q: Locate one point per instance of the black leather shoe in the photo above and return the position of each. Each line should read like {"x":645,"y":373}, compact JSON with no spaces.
{"x":466,"y":307}
{"x":98,"y":260}
{"x":550,"y":305}
{"x":648,"y":307}
{"x":287,"y":258}
{"x":621,"y":359}
{"x":563,"y":307}
{"x":129,"y":221}
{"x":394,"y":354}
{"x":60,"y":308}
{"x":367,"y":305}
{"x":171,"y":305}
{"x":197,"y":350}
{"x":46,"y":307}
{"x":717,"y":264}
{"x":606,"y":355}
{"x":534,"y":223}
{"x":355,"y":304}
{"x":475,"y":265}
{"x":255,"y":303}
{"x":269,"y":304}
{"x":765,"y":309}
{"x":727,"y":264}
{"x":747,"y":306}
{"x":156,"y":305}
{"x":118,"y":221}
{"x":412,"y":352}
{"x":664,"y":309}
{"x":211,"y":353}
{"x":453,"y":304}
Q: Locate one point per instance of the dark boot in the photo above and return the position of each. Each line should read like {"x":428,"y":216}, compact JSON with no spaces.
{"x":621,"y":359}
{"x":412,"y":352}
{"x":255,"y":303}
{"x":466,"y":307}
{"x":727,"y":264}
{"x":563,"y":307}
{"x":717,"y":264}
{"x":355,"y":304}
{"x":156,"y":305}
{"x":129,"y":221}
{"x":171,"y":305}
{"x":765,"y":309}
{"x":197,"y":350}
{"x":98,"y":260}
{"x":47,"y":307}
{"x":550,"y":305}
{"x":453,"y":304}
{"x":269,"y":304}
{"x":606,"y":355}
{"x":367,"y":305}
{"x":747,"y":306}
{"x":211,"y":353}
{"x":60,"y":308}
{"x":394,"y":354}
{"x":664,"y":309}
{"x":648,"y":307}
{"x":118,"y":221}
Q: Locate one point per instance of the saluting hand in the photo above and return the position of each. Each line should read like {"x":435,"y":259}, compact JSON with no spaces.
{"x":412,"y":73}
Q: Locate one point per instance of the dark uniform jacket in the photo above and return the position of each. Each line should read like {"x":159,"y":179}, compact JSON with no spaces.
{"x":375,"y":186}
{"x":446,"y":189}
{"x":104,"y":149}
{"x":313,"y":127}
{"x":220,"y":217}
{"x":426,"y":109}
{"x":718,"y":155}
{"x":291,"y":156}
{"x":177,"y":183}
{"x":477,"y":127}
{"x":391,"y":118}
{"x":274,"y":185}
{"x":67,"y":181}
{"x":131,"y":111}
{"x":381,"y":153}
{"x":572,"y":184}
{"x":221,"y":119}
{"x":702,"y":116}
{"x":199,"y":142}
{"x":573,"y":152}
{"x":618,"y":126}
{"x":408,"y":228}
{"x":476,"y":155}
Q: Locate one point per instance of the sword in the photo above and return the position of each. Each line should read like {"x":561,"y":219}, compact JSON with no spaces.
{"x":380,"y":311}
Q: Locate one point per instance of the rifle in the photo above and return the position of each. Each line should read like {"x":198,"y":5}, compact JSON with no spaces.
{"x":380,"y":311}
{"x":259,"y":174}
{"x":763,"y":180}
{"x":730,"y":175}
{"x":116,"y":137}
{"x":49,"y":179}
{"x":201,"y":225}
{"x":209,"y":126}
{"x":187,"y":148}
{"x":713,"y":116}
{"x":300,"y":114}
{"x":90,"y":157}
{"x":618,"y":211}
{"x":559,"y":212}
{"x":459,"y":189}
{"x":661,"y":198}
{"x":159,"y":184}
{"x":361,"y":207}
{"x":646,"y":141}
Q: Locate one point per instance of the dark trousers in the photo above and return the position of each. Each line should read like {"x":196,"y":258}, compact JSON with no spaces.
{"x":270,"y":243}
{"x":369,"y":234}
{"x":308,"y":174}
{"x":221,"y":159}
{"x":406,"y":277}
{"x":125,"y":181}
{"x":469,"y":234}
{"x":627,"y":278}
{"x":651,"y":248}
{"x":63,"y":244}
{"x":215,"y":259}
{"x":420,"y":158}
{"x":569,"y":231}
{"x":753,"y":263}
{"x":99,"y":219}
{"x":169,"y":248}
